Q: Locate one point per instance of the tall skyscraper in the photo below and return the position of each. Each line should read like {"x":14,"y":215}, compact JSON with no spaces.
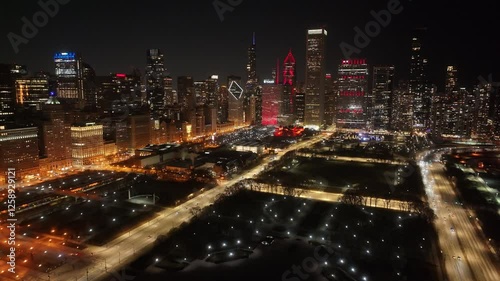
{"x":258,"y":105}
{"x":351,"y":101}
{"x":212,"y":90}
{"x":8,"y":75}
{"x":55,"y":136}
{"x":252,"y":63}
{"x":32,"y":91}
{"x":89,"y":87}
{"x":69,"y":73}
{"x":155,"y":74}
{"x":236,"y":112}
{"x":315,"y":77}
{"x":451,"y":104}
{"x":300,"y":106}
{"x":382,"y":97}
{"x":251,"y":99}
{"x":330,"y":99}
{"x":222,"y":104}
{"x":289,"y":83}
{"x":271,"y":103}
{"x":186,"y":94}
{"x":419,"y":87}
{"x":403,"y":108}
{"x":483,"y":119}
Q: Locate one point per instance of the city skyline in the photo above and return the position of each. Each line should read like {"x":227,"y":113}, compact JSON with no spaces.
{"x":38,"y":51}
{"x":249,"y":140}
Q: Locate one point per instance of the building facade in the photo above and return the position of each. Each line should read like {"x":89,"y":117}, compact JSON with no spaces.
{"x":315,"y":78}
{"x":19,"y":151}
{"x":87,"y":144}
{"x":69,"y":73}
{"x":155,"y":75}
{"x":382,"y":98}
{"x":351,"y":100}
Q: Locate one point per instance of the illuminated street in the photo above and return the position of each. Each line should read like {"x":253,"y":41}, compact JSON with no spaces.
{"x":116,"y":253}
{"x":466,"y":255}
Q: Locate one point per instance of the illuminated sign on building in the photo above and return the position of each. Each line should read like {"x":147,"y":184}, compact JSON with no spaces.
{"x":236,"y":90}
{"x":317,"y":31}
{"x":65,"y":56}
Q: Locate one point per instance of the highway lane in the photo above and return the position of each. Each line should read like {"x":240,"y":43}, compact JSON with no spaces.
{"x":457,"y":233}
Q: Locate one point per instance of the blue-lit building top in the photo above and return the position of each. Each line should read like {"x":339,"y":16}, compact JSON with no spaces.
{"x":65,"y":56}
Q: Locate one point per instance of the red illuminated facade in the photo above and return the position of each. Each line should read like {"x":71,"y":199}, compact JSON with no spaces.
{"x":271,"y":103}
{"x":353,"y":99}
{"x":289,"y":83}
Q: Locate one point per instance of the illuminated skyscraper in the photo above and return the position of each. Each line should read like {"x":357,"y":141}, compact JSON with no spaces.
{"x":483,"y":120}
{"x":69,"y":72}
{"x":271,"y":103}
{"x":315,"y":77}
{"x":32,"y":91}
{"x":419,"y":87}
{"x":170,"y":98}
{"x":155,"y":75}
{"x":382,"y":97}
{"x":19,"y":150}
{"x":289,"y":84}
{"x":251,"y":98}
{"x":8,"y":75}
{"x":87,"y":144}
{"x":212,"y":90}
{"x":186,"y":94}
{"x":451,"y":104}
{"x":403,"y":106}
{"x":252,"y":63}
{"x":330,"y":99}
{"x":89,"y":87}
{"x":351,"y":100}
{"x":299,"y":106}
{"x":222,"y":104}
{"x":55,"y":136}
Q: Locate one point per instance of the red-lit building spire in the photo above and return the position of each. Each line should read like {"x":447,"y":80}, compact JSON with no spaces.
{"x":289,"y":69}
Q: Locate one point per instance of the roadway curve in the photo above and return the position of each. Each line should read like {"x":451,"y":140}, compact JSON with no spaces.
{"x":464,"y":239}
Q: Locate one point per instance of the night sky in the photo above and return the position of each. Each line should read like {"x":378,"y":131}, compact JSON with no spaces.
{"x":113,"y":35}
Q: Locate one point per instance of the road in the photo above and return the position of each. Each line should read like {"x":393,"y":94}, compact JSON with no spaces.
{"x":456,"y":231}
{"x":111,"y":257}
